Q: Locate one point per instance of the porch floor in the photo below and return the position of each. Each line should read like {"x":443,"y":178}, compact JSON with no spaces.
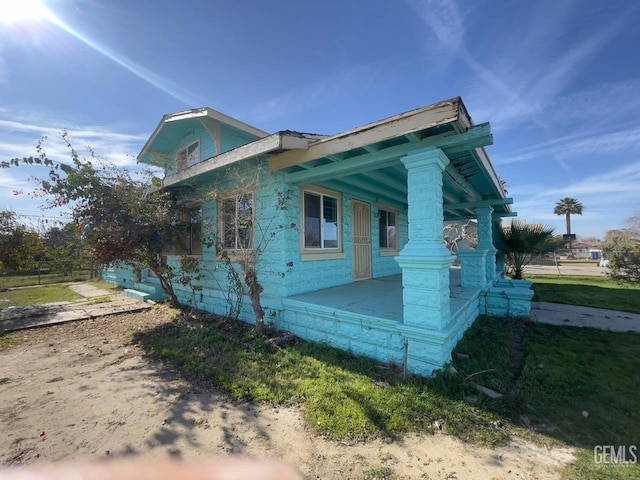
{"x":378,"y":297}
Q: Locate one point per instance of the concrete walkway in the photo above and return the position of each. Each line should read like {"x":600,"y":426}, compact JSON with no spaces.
{"x":111,"y":302}
{"x":576,"y":316}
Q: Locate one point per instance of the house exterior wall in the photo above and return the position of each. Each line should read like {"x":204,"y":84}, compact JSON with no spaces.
{"x":432,"y":320}
{"x":281,"y":269}
{"x":311,"y":275}
{"x":231,"y":138}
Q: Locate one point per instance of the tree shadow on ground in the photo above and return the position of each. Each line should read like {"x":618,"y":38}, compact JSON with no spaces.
{"x":342,"y":392}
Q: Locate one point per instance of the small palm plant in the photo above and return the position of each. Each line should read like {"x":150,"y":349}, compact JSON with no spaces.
{"x":521,"y":243}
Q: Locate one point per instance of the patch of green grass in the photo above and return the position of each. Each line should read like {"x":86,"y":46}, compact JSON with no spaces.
{"x":379,"y":473}
{"x":582,"y":383}
{"x":585,"y":467}
{"x":23,"y":297}
{"x":7,"y":341}
{"x":345,"y":397}
{"x":96,"y":282}
{"x":587,"y":291}
{"x":547,"y":375}
{"x":100,"y":300}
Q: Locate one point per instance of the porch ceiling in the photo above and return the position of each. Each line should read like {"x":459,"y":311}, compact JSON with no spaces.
{"x":375,"y":170}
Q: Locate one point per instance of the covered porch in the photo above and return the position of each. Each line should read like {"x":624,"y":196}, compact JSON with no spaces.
{"x":367,"y":318}
{"x":379,"y":298}
{"x":429,"y":164}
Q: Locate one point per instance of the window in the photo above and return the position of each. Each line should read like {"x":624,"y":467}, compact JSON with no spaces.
{"x":188,"y":156}
{"x":388,"y":228}
{"x":236,"y":221}
{"x":321,"y":220}
{"x":186,"y":236}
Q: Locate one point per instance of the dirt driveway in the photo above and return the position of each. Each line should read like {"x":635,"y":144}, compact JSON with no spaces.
{"x":84,"y":390}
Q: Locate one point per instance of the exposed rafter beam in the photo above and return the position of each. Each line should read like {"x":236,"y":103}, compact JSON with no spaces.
{"x":387,"y":180}
{"x":413,"y":137}
{"x":463,"y":182}
{"x":479,"y":204}
{"x":436,"y":115}
{"x":452,"y":218}
{"x":364,"y":194}
{"x":400,"y":197}
{"x":371,"y":148}
{"x":383,"y":158}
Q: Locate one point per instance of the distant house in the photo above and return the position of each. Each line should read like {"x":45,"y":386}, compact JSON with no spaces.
{"x":365,"y":269}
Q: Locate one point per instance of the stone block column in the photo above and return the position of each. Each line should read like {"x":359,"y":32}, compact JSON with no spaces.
{"x":485,"y":242}
{"x":424,"y":260}
{"x":500,"y":266}
{"x":473,"y":269}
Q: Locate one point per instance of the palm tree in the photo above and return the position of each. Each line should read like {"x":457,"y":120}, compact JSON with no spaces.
{"x":568,"y":206}
{"x":521,"y":243}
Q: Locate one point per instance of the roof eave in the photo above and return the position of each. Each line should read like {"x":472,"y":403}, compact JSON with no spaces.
{"x":448,"y":111}
{"x":196,"y":113}
{"x":281,"y":141}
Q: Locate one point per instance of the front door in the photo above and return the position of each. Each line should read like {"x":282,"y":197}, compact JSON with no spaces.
{"x":361,"y":240}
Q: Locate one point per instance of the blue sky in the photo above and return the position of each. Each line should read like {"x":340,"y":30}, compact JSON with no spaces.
{"x":559,"y":81}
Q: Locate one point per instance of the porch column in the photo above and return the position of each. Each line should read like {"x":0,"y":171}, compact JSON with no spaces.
{"x":425,"y":260}
{"x":485,"y":242}
{"x":500,"y":266}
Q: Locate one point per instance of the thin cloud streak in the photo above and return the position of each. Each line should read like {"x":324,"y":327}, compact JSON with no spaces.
{"x":576,"y":145}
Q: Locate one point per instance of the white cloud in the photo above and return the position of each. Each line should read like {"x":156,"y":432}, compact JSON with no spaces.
{"x":585,"y":144}
{"x":113,"y":146}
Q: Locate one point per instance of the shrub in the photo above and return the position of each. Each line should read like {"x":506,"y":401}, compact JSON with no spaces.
{"x":624,"y":261}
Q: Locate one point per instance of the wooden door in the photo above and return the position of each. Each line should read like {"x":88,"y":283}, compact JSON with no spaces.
{"x":361,"y":240}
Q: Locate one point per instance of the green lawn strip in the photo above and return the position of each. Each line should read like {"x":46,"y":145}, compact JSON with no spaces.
{"x":547,"y":376}
{"x":23,"y":297}
{"x":344,"y":397}
{"x":585,"y":467}
{"x":582,"y":385}
{"x":586,"y":291}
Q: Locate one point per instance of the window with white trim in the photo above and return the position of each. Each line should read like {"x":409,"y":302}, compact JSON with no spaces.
{"x":188,"y":156}
{"x":236,"y":221}
{"x":388,"y":228}
{"x":321,"y":220}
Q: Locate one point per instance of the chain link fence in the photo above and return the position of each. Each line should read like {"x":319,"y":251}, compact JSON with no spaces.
{"x":52,"y":271}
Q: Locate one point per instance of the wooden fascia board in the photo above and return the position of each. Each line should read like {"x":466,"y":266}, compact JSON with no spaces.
{"x":439,"y":114}
{"x":487,"y":167}
{"x":151,"y":140}
{"x":380,"y":159}
{"x":479,"y":204}
{"x":263,"y":146}
{"x":220,"y":117}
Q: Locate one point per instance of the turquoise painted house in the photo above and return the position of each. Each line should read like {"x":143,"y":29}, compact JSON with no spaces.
{"x":356,"y":258}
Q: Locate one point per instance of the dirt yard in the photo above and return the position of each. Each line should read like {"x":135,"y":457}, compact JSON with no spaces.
{"x":83,"y":390}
